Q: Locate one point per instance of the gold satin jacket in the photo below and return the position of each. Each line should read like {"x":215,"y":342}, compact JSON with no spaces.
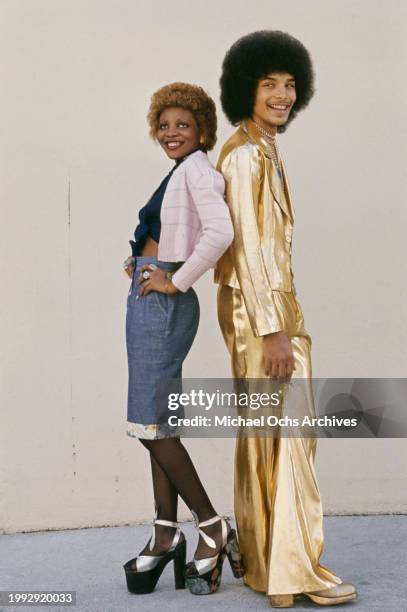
{"x":259,"y":258}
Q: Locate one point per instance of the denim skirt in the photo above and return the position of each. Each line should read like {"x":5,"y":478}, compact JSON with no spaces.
{"x":160,"y":330}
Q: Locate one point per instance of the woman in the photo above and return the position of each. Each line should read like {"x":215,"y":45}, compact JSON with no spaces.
{"x":184,"y":229}
{"x":267,"y":79}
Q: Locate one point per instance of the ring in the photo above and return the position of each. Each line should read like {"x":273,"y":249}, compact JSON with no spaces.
{"x":146,"y":274}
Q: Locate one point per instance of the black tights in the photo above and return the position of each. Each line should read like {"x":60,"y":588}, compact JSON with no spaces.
{"x":174,"y":474}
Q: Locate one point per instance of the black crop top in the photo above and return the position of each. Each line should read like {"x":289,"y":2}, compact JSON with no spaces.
{"x":149,"y":215}
{"x":149,"y":218}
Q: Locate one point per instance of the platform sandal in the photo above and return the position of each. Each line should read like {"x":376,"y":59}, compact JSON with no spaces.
{"x":144,"y":571}
{"x":203,"y":576}
{"x":339,"y":594}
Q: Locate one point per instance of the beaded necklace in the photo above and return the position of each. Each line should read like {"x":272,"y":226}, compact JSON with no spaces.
{"x":271,"y":141}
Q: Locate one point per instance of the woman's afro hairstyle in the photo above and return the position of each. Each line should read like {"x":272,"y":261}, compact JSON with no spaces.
{"x":253,"y":57}
{"x":190,"y":97}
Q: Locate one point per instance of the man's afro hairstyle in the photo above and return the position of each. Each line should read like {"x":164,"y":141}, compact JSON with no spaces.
{"x":253,"y":57}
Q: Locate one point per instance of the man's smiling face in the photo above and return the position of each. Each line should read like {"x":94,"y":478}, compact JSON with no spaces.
{"x":275,"y":97}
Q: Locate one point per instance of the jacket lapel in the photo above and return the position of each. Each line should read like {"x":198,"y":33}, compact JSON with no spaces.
{"x":288,"y":199}
{"x":278,"y":186}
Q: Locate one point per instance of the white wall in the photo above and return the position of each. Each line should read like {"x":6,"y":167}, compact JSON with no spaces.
{"x":77,"y":164}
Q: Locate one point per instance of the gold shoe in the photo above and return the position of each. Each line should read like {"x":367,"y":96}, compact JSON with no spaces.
{"x":338,"y":594}
{"x":282,"y":601}
{"x":341,"y":593}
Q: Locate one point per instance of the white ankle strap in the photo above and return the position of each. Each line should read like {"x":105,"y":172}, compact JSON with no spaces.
{"x":165,"y":523}
{"x":157,"y":521}
{"x":207,"y":539}
{"x":210,"y":521}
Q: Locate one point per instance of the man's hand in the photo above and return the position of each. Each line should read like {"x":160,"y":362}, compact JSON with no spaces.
{"x":158,"y":281}
{"x":278,"y":355}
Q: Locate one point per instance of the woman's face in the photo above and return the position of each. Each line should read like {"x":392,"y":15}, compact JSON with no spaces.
{"x":275,"y":97}
{"x":178,"y":132}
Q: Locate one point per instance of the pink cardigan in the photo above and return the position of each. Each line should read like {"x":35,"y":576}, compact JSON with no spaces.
{"x":196,"y":227}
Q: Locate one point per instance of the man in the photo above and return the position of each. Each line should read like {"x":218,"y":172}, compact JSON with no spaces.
{"x":267,"y":78}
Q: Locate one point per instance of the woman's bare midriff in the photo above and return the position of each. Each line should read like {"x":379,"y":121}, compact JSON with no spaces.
{"x":150,"y":248}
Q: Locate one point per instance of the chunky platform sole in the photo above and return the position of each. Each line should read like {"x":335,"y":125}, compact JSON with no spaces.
{"x":206,"y":584}
{"x":282,"y":601}
{"x":142,"y":583}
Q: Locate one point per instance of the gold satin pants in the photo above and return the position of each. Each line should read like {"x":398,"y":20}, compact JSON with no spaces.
{"x":277,"y":501}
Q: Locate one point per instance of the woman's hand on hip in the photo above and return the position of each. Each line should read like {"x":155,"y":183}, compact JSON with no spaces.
{"x":129,"y":271}
{"x":128,"y":266}
{"x":278,"y":355}
{"x":158,"y":281}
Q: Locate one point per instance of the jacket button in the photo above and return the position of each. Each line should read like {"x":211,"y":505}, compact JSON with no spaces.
{"x":288,"y":237}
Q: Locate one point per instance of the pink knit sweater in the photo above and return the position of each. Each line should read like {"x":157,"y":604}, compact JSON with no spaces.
{"x":196,"y":227}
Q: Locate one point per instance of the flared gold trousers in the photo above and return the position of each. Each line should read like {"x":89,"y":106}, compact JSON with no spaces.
{"x":277,"y":501}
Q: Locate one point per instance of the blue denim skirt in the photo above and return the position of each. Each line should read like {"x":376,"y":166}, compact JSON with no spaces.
{"x":160,"y":330}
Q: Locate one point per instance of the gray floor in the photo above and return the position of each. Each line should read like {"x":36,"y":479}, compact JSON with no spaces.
{"x":370,"y":551}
